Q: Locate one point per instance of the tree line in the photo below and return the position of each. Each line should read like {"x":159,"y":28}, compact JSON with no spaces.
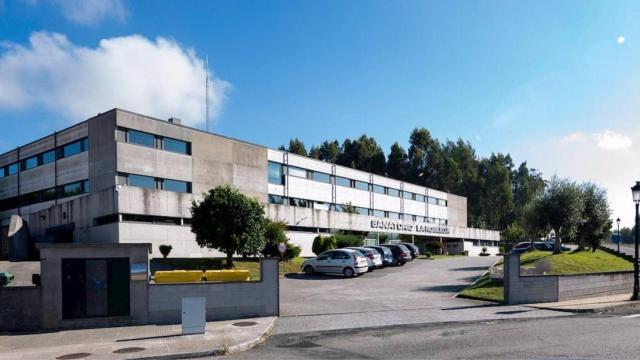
{"x":496,"y":189}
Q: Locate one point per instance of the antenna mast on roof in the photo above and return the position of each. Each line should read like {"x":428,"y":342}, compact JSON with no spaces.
{"x":207,"y":94}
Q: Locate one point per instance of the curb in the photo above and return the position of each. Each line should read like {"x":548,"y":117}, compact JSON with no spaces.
{"x":219,"y":351}
{"x":602,"y":310}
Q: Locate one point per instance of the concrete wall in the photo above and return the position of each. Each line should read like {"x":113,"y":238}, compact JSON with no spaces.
{"x":51,"y":274}
{"x":102,"y":151}
{"x":224,"y":300}
{"x":537,"y":289}
{"x":20,"y":308}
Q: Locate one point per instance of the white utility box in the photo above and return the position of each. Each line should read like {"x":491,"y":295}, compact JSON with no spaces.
{"x":194,"y":315}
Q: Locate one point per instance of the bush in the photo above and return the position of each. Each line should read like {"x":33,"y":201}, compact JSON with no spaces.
{"x":484,"y":249}
{"x":323,"y":243}
{"x":343,"y":241}
{"x":165,"y":250}
{"x":433,"y":246}
{"x":428,"y":255}
{"x":293,"y":251}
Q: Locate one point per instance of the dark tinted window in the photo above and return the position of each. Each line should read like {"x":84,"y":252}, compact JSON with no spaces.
{"x":299,"y":202}
{"x":48,"y":157}
{"x":343,"y":181}
{"x":30,"y":163}
{"x":146,"y":182}
{"x":12,"y":169}
{"x":49,"y":194}
{"x":362,"y":185}
{"x":177,"y":186}
{"x":178,"y":146}
{"x":275,"y":173}
{"x":275,"y":199}
{"x":72,"y":149}
{"x":322,"y":177}
{"x":141,"y":138}
{"x":72,"y":189}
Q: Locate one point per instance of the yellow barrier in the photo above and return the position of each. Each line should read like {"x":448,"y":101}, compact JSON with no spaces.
{"x":227,"y":275}
{"x":178,"y":276}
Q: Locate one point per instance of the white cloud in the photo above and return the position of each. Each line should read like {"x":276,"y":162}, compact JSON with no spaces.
{"x":90,"y":12}
{"x":158,"y":78}
{"x":606,"y":158}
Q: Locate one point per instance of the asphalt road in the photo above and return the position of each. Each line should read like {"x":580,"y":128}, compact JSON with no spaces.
{"x":573,"y":337}
{"x":420,"y":292}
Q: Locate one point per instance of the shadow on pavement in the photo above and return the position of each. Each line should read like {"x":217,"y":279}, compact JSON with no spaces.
{"x":298,"y":276}
{"x":471,"y":268}
{"x":473,"y":307}
{"x":443,"y":288}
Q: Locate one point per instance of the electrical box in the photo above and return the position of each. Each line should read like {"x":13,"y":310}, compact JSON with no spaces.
{"x":194,"y":315}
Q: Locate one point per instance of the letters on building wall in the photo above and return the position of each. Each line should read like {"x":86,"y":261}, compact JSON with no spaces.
{"x":401,"y":226}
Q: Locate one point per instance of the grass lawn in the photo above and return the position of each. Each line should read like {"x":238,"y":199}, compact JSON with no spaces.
{"x":575,"y":262}
{"x":253,"y":265}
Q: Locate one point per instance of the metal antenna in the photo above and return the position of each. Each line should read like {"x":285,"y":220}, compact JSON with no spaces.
{"x":207,"y":94}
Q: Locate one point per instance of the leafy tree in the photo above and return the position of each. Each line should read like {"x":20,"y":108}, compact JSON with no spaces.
{"x":363,"y":154}
{"x":328,"y":151}
{"x":165,"y":250}
{"x":425,"y":159}
{"x":344,"y":240}
{"x":296,"y":146}
{"x":559,"y":208}
{"x":596,"y":216}
{"x":496,"y":195}
{"x":397,"y":162}
{"x":628,"y":234}
{"x":527,"y":184}
{"x":275,"y":235}
{"x":514,"y":233}
{"x":349,"y":208}
{"x":228,"y":221}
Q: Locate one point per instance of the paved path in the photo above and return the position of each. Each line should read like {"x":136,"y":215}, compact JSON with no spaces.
{"x":420,"y":292}
{"x":575,"y":337}
{"x":135,"y":341}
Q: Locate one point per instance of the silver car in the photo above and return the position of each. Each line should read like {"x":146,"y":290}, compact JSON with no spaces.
{"x":340,"y":261}
{"x":374,"y":259}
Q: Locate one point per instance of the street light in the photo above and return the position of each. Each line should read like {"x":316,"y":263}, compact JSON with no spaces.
{"x":619,"y":236}
{"x":635,"y":190}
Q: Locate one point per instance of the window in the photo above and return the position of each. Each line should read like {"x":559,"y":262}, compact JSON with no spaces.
{"x":299,"y":202}
{"x":413,"y":217}
{"x":2,"y":174}
{"x":145,"y":182}
{"x":12,"y":169}
{"x":339,"y":255}
{"x":378,"y":189}
{"x":48,"y":157}
{"x":361,"y":185}
{"x":442,"y":202}
{"x":394,"y":192}
{"x":32,"y":198}
{"x":321,"y":177}
{"x":177,"y":186}
{"x":276,"y":199}
{"x":407,"y":195}
{"x":378,"y":213}
{"x":297,"y":172}
{"x":343,"y":181}
{"x":431,"y":220}
{"x":362,"y":211}
{"x":178,"y":146}
{"x":30,"y":163}
{"x":275,"y":173}
{"x":49,"y":194}
{"x":74,"y":148}
{"x":432,"y":200}
{"x":321,"y":206}
{"x":420,"y":197}
{"x":72,"y":189}
{"x":141,"y":138}
{"x":393,"y":215}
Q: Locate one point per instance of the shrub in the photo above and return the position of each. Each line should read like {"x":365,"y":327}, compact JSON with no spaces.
{"x":433,"y":246}
{"x":428,"y":255}
{"x":274,"y":234}
{"x":165,"y":250}
{"x":484,"y":249}
{"x":323,"y":243}
{"x":293,"y":251}
{"x":343,"y":241}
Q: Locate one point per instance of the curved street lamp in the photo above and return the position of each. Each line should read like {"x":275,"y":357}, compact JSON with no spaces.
{"x":635,"y":190}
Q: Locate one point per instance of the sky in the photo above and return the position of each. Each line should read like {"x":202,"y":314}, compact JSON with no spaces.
{"x":553,"y":83}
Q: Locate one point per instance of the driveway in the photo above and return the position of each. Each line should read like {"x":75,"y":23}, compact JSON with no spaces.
{"x":420,"y":292}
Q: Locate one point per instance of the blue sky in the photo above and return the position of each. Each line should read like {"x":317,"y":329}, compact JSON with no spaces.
{"x":547,"y":81}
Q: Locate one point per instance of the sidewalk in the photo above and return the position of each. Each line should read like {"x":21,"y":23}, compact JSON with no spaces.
{"x":605,"y":304}
{"x":138,"y":342}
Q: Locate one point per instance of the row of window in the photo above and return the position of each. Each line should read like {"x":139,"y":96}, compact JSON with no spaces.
{"x":317,"y":205}
{"x":154,"y":183}
{"x":47,"y":157}
{"x":485,"y":243}
{"x":277,"y":171}
{"x":59,"y":192}
{"x":154,"y":141}
{"x":149,"y":219}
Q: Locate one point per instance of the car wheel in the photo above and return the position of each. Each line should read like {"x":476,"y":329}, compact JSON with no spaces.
{"x":308,"y":270}
{"x":348,"y":272}
{"x":402,"y":263}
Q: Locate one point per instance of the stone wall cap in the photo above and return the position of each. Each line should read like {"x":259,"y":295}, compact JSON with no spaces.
{"x":93,"y":246}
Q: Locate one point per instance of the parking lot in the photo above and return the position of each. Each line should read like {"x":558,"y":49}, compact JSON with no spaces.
{"x":420,"y":292}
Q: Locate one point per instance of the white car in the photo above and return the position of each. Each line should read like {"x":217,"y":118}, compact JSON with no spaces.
{"x":339,"y":261}
{"x":374,"y":260}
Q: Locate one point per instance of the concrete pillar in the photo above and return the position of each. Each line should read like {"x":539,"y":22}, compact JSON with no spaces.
{"x":511,"y":277}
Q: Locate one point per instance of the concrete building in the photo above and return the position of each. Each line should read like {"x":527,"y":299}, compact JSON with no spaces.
{"x":122,"y":177}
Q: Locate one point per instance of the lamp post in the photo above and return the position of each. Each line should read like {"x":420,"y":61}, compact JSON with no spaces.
{"x":635,"y":190}
{"x":619,"y":236}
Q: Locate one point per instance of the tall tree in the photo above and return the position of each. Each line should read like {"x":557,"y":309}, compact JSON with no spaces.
{"x":296,"y":146}
{"x":363,"y":154}
{"x":327,"y":151}
{"x":397,"y":162}
{"x":496,"y":196}
{"x":527,"y":184}
{"x":596,"y":216}
{"x":425,"y":159}
{"x":228,"y":221}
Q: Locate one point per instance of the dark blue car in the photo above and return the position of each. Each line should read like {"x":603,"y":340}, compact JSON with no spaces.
{"x":387,"y":255}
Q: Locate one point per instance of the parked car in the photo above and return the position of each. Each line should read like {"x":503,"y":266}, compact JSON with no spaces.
{"x":340,"y":261}
{"x":374,"y":259}
{"x":401,"y":255}
{"x":385,"y":252}
{"x":413,"y":249}
{"x":523,"y":247}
